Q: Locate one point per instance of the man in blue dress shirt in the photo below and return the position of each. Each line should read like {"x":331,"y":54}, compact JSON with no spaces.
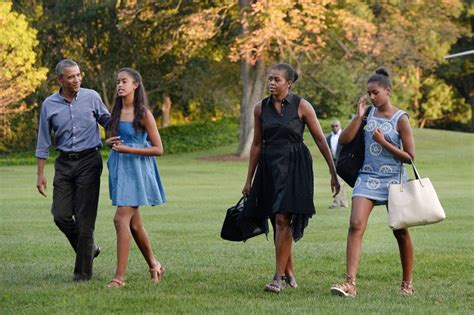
{"x":73,"y":115}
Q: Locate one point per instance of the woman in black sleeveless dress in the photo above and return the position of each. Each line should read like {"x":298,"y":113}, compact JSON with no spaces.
{"x":282,"y":187}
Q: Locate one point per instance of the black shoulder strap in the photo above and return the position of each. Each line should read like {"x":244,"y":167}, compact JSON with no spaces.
{"x":367,"y":111}
{"x":366,"y":114}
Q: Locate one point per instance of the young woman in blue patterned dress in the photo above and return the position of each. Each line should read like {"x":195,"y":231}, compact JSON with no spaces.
{"x":388,"y":144}
{"x":134,"y":179}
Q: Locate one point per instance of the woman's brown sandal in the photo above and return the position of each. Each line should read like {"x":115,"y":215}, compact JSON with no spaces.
{"x":290,"y":281}
{"x":406,"y":288}
{"x":346,"y":289}
{"x":275,"y":286}
{"x":116,"y":283}
{"x":157,"y":272}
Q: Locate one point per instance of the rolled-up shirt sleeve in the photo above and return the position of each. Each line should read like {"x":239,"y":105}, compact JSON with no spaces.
{"x":44,"y":135}
{"x":103,"y":115}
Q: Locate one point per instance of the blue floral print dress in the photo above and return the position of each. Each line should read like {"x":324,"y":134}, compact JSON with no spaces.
{"x":380,"y":168}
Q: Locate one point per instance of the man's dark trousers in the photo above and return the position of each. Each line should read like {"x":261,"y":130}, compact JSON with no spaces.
{"x":75,"y":199}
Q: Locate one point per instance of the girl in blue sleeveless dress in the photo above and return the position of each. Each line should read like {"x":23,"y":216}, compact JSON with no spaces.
{"x":388,"y":143}
{"x":380,"y":168}
{"x":134,"y":179}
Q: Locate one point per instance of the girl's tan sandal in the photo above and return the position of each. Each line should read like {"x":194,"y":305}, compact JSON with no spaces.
{"x":116,"y":283}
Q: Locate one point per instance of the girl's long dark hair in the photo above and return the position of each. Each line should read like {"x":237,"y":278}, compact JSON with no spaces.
{"x":140,"y":104}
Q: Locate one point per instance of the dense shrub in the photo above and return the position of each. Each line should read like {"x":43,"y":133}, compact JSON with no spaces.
{"x":450,"y":125}
{"x":194,"y":136}
{"x":199,"y":135}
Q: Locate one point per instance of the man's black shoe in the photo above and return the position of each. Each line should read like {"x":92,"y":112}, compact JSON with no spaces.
{"x":97,"y":251}
{"x":78,"y":278}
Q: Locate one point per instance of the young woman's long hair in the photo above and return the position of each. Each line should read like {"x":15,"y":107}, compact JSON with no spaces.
{"x":140,"y":104}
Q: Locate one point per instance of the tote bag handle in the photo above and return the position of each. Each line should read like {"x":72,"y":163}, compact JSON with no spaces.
{"x":415,"y":171}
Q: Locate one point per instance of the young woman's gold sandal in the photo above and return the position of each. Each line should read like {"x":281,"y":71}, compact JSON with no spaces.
{"x":346,"y":289}
{"x":406,"y":288}
{"x":116,"y":283}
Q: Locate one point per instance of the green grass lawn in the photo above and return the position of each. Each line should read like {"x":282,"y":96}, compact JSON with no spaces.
{"x":205,"y":274}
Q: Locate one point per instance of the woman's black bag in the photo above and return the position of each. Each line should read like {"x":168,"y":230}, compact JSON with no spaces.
{"x":236,"y":228}
{"x":351,"y":156}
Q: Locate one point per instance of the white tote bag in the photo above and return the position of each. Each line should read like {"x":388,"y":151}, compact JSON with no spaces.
{"x":413,"y":203}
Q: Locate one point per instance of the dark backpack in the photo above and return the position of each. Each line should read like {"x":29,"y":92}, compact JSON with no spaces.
{"x":351,"y":156}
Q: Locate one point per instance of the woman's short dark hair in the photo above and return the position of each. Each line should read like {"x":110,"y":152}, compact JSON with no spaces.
{"x":382,"y":77}
{"x":290,"y":72}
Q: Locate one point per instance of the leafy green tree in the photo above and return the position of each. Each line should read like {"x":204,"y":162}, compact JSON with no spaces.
{"x":331,"y":86}
{"x":439,"y":102}
{"x":459,"y":71}
{"x":411,"y":39}
{"x":19,"y":76}
{"x":303,"y":32}
{"x":169,"y":42}
{"x":183,"y":53}
{"x":191,"y":51}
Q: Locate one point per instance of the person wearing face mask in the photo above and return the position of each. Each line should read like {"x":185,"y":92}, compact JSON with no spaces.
{"x":388,"y":144}
{"x":73,"y":114}
{"x":339,"y":201}
{"x":134,"y":178}
{"x":281,"y":167}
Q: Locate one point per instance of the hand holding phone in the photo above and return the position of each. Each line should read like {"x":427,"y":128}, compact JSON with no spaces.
{"x":361,"y":105}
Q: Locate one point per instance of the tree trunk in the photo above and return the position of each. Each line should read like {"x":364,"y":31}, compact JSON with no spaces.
{"x":253,"y":80}
{"x":104,"y":95}
{"x":165,"y":111}
{"x":422,"y":123}
{"x":471,"y":101}
{"x":416,"y":100}
{"x":471,"y":85}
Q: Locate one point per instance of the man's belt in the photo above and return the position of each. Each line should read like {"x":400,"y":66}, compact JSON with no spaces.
{"x":77,"y":155}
